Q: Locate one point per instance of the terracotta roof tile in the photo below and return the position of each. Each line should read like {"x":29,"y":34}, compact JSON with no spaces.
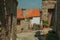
{"x":32,"y":13}
{"x":19,"y":13}
{"x":29,"y":13}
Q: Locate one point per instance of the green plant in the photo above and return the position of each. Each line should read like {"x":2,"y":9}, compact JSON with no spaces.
{"x":27,"y":20}
{"x":45,"y":22}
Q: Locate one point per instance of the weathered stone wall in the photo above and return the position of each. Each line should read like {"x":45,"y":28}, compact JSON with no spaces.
{"x":58,"y":19}
{"x":45,"y":6}
{"x":9,"y":8}
{"x":24,"y":25}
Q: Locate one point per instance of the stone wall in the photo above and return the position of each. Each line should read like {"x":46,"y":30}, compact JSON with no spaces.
{"x":45,"y":6}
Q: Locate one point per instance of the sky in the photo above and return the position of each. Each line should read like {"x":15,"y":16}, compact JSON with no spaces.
{"x":29,"y":4}
{"x":26,"y":4}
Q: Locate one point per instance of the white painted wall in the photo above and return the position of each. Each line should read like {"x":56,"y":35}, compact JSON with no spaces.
{"x":35,"y":20}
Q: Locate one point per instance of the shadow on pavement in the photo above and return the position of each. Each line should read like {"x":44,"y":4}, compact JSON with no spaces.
{"x":52,"y":35}
{"x":37,"y":34}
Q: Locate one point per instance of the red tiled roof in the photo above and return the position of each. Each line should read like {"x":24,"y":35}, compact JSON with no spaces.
{"x":29,"y":13}
{"x":33,"y":13}
{"x":19,"y":13}
{"x":36,"y":12}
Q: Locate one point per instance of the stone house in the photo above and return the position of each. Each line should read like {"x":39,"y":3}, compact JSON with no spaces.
{"x":25,"y":17}
{"x":8,"y":7}
{"x":47,"y":10}
{"x":11,"y":7}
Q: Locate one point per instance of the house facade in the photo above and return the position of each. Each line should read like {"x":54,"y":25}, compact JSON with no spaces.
{"x":7,"y":9}
{"x":25,"y":17}
{"x":47,"y":11}
{"x":11,"y":7}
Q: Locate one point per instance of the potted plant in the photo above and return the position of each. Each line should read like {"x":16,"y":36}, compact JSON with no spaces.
{"x":45,"y":23}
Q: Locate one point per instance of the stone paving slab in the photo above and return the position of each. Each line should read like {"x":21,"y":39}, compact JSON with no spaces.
{"x":26,"y":36}
{"x":30,"y":35}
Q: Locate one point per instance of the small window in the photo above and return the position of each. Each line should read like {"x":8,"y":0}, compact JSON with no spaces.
{"x":6,"y":18}
{"x":18,"y":21}
{"x":51,"y":10}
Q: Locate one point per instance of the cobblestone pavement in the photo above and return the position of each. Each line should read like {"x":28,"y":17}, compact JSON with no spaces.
{"x":29,"y":36}
{"x":26,"y":36}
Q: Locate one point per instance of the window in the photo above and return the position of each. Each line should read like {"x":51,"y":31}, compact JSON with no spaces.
{"x":6,"y":18}
{"x":18,"y":21}
{"x":51,"y":10}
